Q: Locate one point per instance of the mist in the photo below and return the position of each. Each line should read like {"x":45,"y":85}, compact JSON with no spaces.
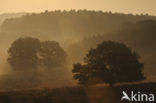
{"x":76,"y":32}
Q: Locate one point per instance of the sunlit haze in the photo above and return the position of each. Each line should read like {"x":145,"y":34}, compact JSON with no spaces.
{"x":123,"y":6}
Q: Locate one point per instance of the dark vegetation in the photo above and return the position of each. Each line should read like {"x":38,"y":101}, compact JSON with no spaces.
{"x":93,"y":94}
{"x":28,"y":53}
{"x":110,"y":62}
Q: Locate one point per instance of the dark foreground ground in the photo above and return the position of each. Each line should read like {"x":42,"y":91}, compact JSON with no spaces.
{"x":98,"y":94}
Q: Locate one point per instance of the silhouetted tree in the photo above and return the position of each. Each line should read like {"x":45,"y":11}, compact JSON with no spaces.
{"x":110,"y":62}
{"x":140,"y":36}
{"x":51,"y":54}
{"x":23,"y":53}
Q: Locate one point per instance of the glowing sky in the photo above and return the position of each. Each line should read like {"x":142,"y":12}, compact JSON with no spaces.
{"x":125,"y":6}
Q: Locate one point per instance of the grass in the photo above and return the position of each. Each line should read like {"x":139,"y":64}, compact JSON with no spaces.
{"x":94,"y":94}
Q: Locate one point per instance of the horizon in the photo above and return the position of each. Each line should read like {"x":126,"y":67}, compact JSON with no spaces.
{"x":120,"y":6}
{"x":76,"y":11}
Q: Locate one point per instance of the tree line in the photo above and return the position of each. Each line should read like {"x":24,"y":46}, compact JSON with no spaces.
{"x":78,"y":23}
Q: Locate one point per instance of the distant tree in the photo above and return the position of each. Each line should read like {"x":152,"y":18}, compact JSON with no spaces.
{"x":110,"y":62}
{"x":23,"y":53}
{"x":51,"y":54}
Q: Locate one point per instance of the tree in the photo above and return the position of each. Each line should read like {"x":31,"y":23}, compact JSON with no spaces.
{"x":23,"y":53}
{"x":110,"y":62}
{"x":27,"y":53}
{"x":51,"y":54}
{"x":31,"y":59}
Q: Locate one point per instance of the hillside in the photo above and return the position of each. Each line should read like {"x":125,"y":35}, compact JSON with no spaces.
{"x":68,"y":24}
{"x":5,"y":16}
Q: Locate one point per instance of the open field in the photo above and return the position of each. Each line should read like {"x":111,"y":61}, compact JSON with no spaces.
{"x":98,"y":94}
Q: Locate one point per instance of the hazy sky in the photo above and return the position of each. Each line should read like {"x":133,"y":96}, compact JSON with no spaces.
{"x":125,"y":6}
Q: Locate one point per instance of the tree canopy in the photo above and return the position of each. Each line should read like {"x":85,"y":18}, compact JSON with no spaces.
{"x":23,"y":53}
{"x":110,"y":62}
{"x":51,"y":54}
{"x":28,"y":53}
{"x":36,"y":63}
